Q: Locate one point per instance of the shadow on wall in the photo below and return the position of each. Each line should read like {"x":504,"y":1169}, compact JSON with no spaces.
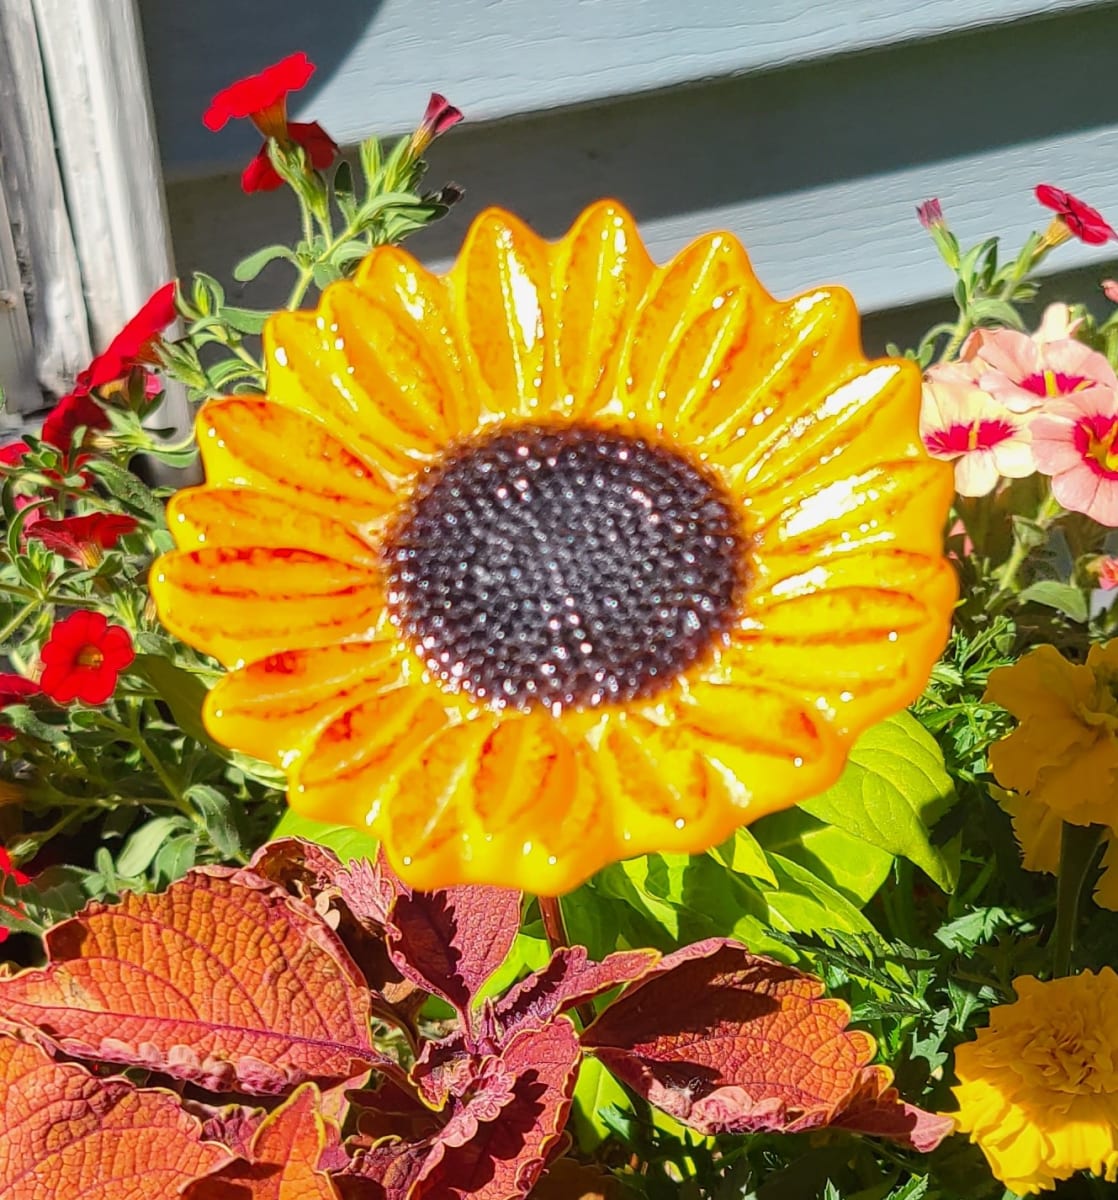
{"x":251,"y":35}
{"x":729,"y":142}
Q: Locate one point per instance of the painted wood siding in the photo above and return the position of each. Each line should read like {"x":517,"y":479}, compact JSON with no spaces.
{"x":810,"y":128}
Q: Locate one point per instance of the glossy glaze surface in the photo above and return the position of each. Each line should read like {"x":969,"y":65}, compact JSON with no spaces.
{"x":280,"y":572}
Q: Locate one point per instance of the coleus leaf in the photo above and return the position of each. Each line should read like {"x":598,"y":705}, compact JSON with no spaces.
{"x":728,"y":1042}
{"x":65,"y":1133}
{"x":449,"y":942}
{"x":223,"y":980}
{"x":500,"y":1126}
{"x":283,"y":1159}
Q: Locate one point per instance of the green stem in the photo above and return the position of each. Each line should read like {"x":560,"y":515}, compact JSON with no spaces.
{"x":1079,"y":846}
{"x":16,"y":621}
{"x":307,"y":273}
{"x":962,"y":328}
{"x":1007,"y":577}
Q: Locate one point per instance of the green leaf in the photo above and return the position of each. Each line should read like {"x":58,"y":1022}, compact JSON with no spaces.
{"x":997,"y":312}
{"x":127,"y":487}
{"x":892,"y":792}
{"x":175,"y":858}
{"x":244,"y":320}
{"x":1064,"y":597}
{"x":141,"y":848}
{"x":743,"y":855}
{"x":182,"y":692}
{"x":345,"y":841}
{"x":251,"y":266}
{"x":852,"y":866}
{"x":803,"y":903}
{"x":218,"y":813}
{"x":596,"y":1092}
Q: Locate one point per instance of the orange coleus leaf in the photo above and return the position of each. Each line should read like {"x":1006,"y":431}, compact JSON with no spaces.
{"x":729,"y":1042}
{"x":283,"y":1159}
{"x":223,"y":980}
{"x":65,"y":1133}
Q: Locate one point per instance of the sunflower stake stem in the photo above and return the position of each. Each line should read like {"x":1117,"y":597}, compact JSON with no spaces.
{"x":1079,"y":845}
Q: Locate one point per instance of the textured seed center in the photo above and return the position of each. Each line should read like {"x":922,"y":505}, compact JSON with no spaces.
{"x":564,"y":567}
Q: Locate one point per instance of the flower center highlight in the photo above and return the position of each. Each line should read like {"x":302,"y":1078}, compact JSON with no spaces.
{"x":89,"y":656}
{"x":564,"y":567}
{"x":1094,"y":439}
{"x":1049,"y":383}
{"x":965,"y":438}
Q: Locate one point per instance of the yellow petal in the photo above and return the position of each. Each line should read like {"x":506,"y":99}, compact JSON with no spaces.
{"x":275,"y":708}
{"x":600,"y":273}
{"x":503,"y":306}
{"x":243,"y":604}
{"x":247,"y":441}
{"x":213,"y":516}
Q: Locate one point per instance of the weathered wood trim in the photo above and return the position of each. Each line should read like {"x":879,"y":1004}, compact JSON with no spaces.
{"x":50,"y":280}
{"x":17,"y":360}
{"x":97,"y":79}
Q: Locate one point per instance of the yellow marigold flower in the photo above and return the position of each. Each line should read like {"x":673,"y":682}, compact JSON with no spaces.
{"x":1038,"y":1088}
{"x":561,"y":557}
{"x":1062,"y":759}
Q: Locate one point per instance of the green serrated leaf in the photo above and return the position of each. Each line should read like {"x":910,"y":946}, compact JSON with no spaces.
{"x":1064,"y":597}
{"x":894,"y":789}
{"x":142,"y":846}
{"x":251,"y":266}
{"x":345,"y":841}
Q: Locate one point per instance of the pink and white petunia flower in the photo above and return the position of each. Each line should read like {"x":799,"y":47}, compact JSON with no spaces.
{"x":1075,"y":441}
{"x":1025,"y":371}
{"x":961,"y":423}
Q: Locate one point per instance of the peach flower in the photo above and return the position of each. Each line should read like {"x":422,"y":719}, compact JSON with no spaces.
{"x":1074,"y":442}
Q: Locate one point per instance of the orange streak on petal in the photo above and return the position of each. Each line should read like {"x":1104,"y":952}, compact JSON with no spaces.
{"x":274,"y":708}
{"x":243,"y":604}
{"x":252,"y":442}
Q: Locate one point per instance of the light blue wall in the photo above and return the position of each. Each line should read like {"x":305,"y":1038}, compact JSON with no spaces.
{"x":809,"y":129}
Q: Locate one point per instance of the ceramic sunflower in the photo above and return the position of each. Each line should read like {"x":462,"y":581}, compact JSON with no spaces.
{"x":563,"y":556}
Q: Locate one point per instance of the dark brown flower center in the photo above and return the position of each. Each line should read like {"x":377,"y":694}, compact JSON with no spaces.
{"x":564,"y":567}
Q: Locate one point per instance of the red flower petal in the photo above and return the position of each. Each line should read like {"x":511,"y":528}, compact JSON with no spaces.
{"x":440,"y":116}
{"x":13,"y":453}
{"x":1084,"y":221}
{"x":261,"y":176}
{"x":18,"y":877}
{"x":76,"y":409}
{"x":134,"y":342}
{"x":13,"y":689}
{"x":258,"y":92}
{"x":82,"y":658}
{"x":71,"y":536}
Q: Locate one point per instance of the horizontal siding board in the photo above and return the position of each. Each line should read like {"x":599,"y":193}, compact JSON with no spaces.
{"x":499,"y":58}
{"x":817,"y":169}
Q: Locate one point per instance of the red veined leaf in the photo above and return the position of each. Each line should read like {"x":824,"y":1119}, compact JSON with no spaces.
{"x":65,"y":1133}
{"x":223,"y":980}
{"x":283,"y":1159}
{"x":728,"y":1041}
{"x":449,"y":942}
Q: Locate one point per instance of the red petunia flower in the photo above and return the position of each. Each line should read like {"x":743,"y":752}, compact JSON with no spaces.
{"x":83,"y":657}
{"x":440,"y":116}
{"x":261,"y":176}
{"x":263,"y":100}
{"x":76,"y":410}
{"x":134,"y":345}
{"x":13,"y":453}
{"x":1085,"y":222}
{"x":81,"y":539}
{"x":18,"y":877}
{"x":14,"y":689}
